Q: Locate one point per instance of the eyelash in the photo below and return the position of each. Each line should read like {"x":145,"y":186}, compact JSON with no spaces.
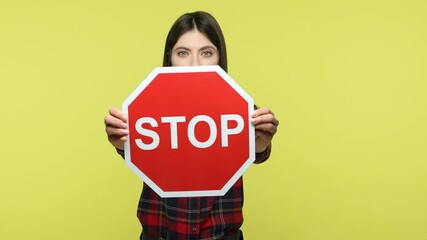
{"x":182,"y":53}
{"x":209,"y":53}
{"x":204,"y":53}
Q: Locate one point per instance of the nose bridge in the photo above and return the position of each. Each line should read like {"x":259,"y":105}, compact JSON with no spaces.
{"x":195,"y":61}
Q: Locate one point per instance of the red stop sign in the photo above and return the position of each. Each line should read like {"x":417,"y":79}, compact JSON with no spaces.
{"x":189,"y":131}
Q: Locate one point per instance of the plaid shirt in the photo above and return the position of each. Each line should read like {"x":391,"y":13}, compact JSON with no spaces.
{"x":193,"y":217}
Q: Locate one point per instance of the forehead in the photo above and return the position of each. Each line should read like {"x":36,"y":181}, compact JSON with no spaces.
{"x":193,"y":39}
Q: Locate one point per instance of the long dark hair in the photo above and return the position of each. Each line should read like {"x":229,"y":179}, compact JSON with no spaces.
{"x":206,"y":24}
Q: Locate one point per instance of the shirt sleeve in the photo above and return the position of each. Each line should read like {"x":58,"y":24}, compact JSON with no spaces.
{"x":121,"y":152}
{"x":263,"y":156}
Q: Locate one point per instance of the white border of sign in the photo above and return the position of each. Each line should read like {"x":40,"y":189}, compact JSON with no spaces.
{"x":236,"y":87}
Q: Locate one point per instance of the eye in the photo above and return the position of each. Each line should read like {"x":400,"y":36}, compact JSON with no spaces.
{"x":207,"y":54}
{"x":182,"y":53}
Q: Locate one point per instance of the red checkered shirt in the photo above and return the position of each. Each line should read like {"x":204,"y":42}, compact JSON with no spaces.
{"x":193,"y":217}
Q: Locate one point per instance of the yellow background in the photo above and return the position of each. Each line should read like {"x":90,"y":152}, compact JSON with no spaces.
{"x":347,"y":79}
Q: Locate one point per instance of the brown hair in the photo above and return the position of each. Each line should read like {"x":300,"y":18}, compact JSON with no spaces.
{"x":206,"y":24}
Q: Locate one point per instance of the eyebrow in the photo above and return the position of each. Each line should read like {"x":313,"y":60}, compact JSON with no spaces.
{"x":202,"y":48}
{"x":178,"y":48}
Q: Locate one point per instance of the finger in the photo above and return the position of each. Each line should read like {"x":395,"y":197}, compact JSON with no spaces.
{"x":118,"y":142}
{"x":113,"y":132}
{"x":266,"y":118}
{"x":117,"y":113}
{"x":112,"y":121}
{"x":265,"y":136}
{"x":261,"y":111}
{"x":114,"y":139}
{"x":266,"y":127}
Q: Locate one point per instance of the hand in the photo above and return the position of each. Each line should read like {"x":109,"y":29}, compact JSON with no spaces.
{"x":265,"y":124}
{"x":116,"y":127}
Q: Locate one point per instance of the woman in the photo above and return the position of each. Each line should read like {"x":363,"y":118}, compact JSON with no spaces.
{"x":195,"y":39}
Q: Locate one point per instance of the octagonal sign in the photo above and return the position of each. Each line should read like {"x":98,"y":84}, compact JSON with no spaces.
{"x":189,"y":131}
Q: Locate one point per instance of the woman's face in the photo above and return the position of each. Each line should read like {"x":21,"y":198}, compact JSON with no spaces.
{"x":194,"y":49}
